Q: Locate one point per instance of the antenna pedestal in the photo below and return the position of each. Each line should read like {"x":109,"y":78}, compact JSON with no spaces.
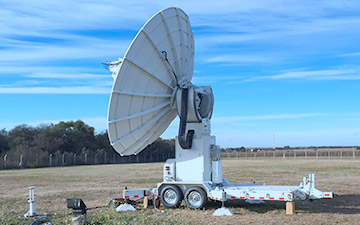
{"x":201,"y":163}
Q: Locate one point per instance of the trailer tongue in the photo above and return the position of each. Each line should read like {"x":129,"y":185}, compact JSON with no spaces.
{"x":305,"y":191}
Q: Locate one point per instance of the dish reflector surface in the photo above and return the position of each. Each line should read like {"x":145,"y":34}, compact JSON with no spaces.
{"x":143,"y":94}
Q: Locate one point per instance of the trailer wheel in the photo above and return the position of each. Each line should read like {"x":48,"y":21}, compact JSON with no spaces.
{"x":171,"y":196}
{"x":195,"y":198}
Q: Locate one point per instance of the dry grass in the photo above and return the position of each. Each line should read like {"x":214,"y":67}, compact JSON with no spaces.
{"x":96,"y":184}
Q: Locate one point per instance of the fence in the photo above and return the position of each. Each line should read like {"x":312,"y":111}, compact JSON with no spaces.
{"x":339,"y":153}
{"x":8,"y":161}
{"x":68,"y":159}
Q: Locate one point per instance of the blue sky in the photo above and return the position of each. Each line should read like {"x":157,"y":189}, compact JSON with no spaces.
{"x":284,"y":68}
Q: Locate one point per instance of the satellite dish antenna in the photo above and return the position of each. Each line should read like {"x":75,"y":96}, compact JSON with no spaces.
{"x":153,"y":84}
{"x":158,"y":62}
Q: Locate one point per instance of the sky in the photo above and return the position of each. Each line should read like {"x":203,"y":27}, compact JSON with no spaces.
{"x":278,"y":68}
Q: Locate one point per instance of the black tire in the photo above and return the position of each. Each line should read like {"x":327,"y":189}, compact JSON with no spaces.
{"x":195,"y":198}
{"x":171,"y":196}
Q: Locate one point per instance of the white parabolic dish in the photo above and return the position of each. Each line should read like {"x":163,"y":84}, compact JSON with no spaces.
{"x":143,"y":94}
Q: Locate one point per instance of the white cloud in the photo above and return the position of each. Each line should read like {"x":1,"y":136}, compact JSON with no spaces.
{"x":56,"y":90}
{"x":240,"y":59}
{"x":47,"y":52}
{"x":70,"y":15}
{"x":23,"y":70}
{"x":206,"y":80}
{"x":327,"y":74}
{"x":68,"y":76}
{"x":350,"y":54}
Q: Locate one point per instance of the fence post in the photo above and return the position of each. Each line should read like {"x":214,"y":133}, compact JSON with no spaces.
{"x":74,"y":158}
{"x":284,"y":156}
{"x":254,"y":155}
{"x":317,"y":155}
{"x":353,"y":148}
{"x":245,"y":154}
{"x":36,"y":161}
{"x":328,"y":154}
{"x":85,"y":158}
{"x":340,"y":154}
{"x":294,"y":154}
{"x":264,"y":154}
{"x":63,"y":159}
{"x":274,"y":154}
{"x":228,"y":155}
{"x":305,"y":154}
{"x":21,"y":163}
{"x":5,"y":161}
{"x":237,"y":155}
{"x":50,"y":160}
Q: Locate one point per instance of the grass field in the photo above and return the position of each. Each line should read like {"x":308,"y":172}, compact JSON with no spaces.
{"x":96,"y":184}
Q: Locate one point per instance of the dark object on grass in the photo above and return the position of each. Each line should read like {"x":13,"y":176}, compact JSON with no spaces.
{"x":77,"y":205}
{"x":42,"y":220}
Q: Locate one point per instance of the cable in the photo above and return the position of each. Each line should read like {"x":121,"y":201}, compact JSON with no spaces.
{"x":185,"y":142}
{"x":172,"y":68}
{"x":42,"y":220}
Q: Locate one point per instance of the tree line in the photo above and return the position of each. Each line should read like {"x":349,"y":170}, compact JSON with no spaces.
{"x":67,"y":143}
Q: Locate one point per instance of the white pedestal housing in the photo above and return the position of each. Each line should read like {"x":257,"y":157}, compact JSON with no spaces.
{"x":199,"y":164}
{"x":194,"y":165}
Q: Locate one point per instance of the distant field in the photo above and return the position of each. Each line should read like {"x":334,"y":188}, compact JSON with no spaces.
{"x":96,"y":184}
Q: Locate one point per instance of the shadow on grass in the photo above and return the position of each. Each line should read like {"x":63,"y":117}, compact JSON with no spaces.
{"x":258,"y":208}
{"x":342,"y":204}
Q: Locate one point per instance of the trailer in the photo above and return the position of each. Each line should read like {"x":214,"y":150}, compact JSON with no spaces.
{"x":197,"y":195}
